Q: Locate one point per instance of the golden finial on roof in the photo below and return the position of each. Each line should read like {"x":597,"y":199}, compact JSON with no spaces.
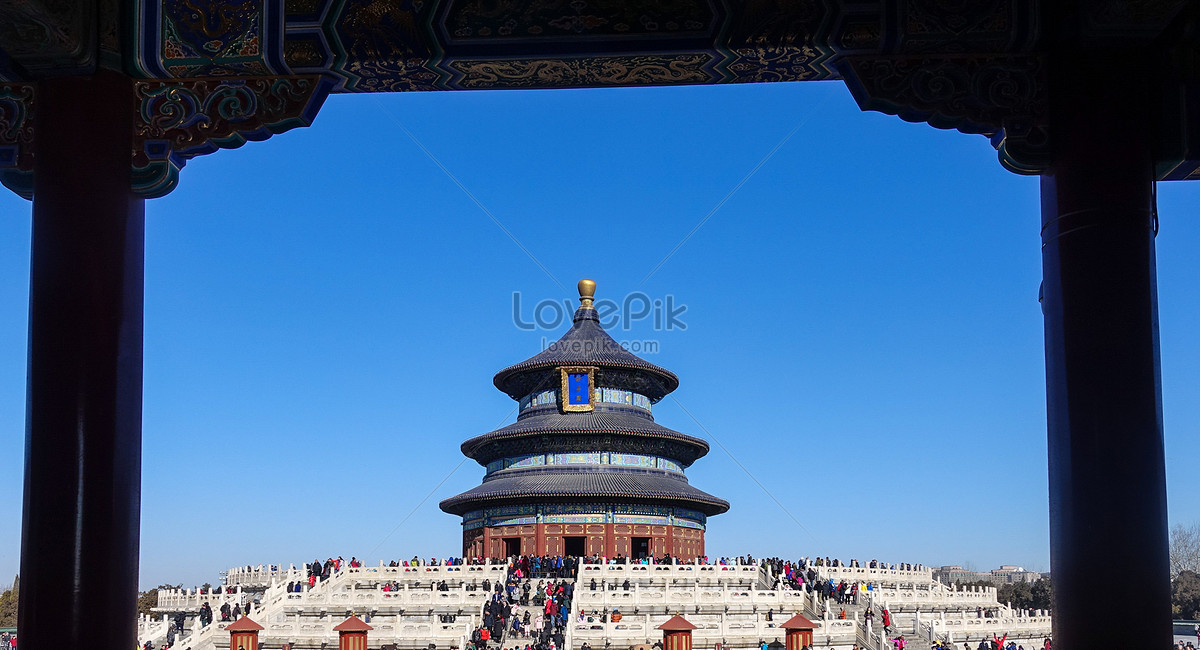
{"x":587,"y":291}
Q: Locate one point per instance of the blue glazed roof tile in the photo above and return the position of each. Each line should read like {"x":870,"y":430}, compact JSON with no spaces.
{"x":598,"y":421}
{"x":506,"y":486}
{"x":586,"y":344}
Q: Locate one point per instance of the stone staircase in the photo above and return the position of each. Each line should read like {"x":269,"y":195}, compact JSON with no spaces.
{"x":732,"y":605}
{"x":530,"y":633}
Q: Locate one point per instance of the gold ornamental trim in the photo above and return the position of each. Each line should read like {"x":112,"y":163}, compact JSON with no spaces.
{"x":564,"y":396}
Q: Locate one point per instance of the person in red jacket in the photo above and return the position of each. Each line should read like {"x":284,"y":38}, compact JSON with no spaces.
{"x":887,"y":621}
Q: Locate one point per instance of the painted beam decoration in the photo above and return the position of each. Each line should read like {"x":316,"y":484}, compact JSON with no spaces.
{"x":1000,"y":97}
{"x":48,"y":37}
{"x":193,"y":38}
{"x":974,"y":65}
{"x":179,"y":120}
{"x":16,"y":135}
{"x":406,"y":45}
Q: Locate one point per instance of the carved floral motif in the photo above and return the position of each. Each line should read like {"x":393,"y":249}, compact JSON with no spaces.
{"x":958,"y":25}
{"x":213,"y":38}
{"x":477,"y":20}
{"x":401,"y":75}
{"x":758,"y":65}
{"x":16,"y":126}
{"x":48,"y":35}
{"x":971,"y":94}
{"x":178,"y":120}
{"x":16,"y":136}
{"x":1003,"y":97}
{"x":586,"y":71}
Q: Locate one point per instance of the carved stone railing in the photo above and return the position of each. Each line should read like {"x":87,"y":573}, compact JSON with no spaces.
{"x":263,"y":575}
{"x":178,"y":600}
{"x":459,"y":572}
{"x":711,"y":628}
{"x":152,"y":628}
{"x":451,"y":601}
{"x":313,"y":633}
{"x":961,"y":627}
{"x":674,"y":598}
{"x":936,"y":596}
{"x":923,"y":575}
{"x":745,"y":575}
{"x":408,"y":617}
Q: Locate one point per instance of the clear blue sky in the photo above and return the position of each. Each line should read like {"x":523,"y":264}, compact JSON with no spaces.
{"x":325,"y":311}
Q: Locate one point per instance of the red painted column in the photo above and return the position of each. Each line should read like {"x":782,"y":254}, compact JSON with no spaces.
{"x":1104,"y":404}
{"x":79,"y":535}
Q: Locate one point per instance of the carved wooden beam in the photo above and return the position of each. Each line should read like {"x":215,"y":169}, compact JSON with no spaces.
{"x":998,"y":96}
{"x":176,"y":121}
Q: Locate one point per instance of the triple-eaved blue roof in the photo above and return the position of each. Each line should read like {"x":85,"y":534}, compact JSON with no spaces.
{"x":579,"y":440}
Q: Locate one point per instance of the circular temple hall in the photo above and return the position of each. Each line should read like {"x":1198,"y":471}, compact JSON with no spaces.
{"x":585,"y":470}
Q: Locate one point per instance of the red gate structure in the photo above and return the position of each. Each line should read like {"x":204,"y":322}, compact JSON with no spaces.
{"x":102,"y":103}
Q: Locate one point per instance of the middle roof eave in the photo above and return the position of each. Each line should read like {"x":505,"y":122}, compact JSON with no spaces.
{"x":592,"y":422}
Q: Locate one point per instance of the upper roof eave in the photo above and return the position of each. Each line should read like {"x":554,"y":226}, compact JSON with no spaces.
{"x":585,"y":344}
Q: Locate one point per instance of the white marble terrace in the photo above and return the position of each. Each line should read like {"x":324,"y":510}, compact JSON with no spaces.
{"x":731,"y":604}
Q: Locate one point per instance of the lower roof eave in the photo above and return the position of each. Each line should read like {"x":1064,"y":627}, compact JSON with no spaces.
{"x":456,"y":506}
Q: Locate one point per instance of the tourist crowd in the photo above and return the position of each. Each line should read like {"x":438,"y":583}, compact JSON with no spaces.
{"x":521,"y":609}
{"x":994,"y":643}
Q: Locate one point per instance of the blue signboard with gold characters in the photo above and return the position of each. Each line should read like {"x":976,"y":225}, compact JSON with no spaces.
{"x":578,"y":388}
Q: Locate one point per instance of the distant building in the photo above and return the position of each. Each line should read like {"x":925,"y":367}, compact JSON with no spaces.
{"x":1006,"y":574}
{"x":1009,"y":573}
{"x":954,"y":573}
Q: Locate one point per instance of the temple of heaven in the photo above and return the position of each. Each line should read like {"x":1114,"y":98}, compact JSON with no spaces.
{"x":585,"y":470}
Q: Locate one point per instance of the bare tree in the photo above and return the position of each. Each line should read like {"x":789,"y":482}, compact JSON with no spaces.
{"x":1185,"y":549}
